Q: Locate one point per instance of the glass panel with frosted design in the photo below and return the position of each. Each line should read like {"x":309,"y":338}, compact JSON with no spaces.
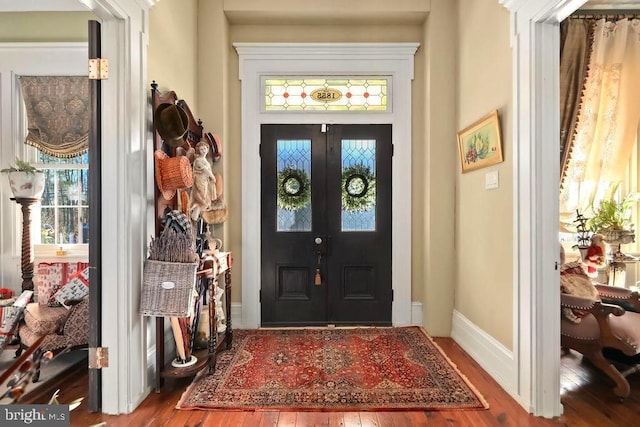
{"x":358,"y":185}
{"x":294,"y":185}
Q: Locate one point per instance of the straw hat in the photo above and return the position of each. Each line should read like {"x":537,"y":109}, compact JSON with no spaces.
{"x":172,"y":173}
{"x":172,"y":123}
{"x":217,"y":214}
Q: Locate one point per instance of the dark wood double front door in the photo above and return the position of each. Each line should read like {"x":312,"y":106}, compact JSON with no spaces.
{"x":326,"y":225}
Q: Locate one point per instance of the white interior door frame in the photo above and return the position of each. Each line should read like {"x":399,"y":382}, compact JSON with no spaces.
{"x":535,"y":43}
{"x":319,"y":59}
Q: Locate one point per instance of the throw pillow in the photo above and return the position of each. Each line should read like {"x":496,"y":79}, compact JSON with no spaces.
{"x":76,"y":289}
{"x":574,"y":281}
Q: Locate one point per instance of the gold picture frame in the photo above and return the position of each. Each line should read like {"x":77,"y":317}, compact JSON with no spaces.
{"x":480,"y":144}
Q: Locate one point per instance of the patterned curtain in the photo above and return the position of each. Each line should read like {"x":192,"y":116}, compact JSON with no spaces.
{"x":575,"y":49}
{"x":608,"y":116}
{"x":57,"y":114}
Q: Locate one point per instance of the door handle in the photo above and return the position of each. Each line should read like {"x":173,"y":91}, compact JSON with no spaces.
{"x":318,"y":240}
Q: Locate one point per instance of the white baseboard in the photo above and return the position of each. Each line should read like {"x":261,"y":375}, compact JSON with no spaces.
{"x":236,"y":315}
{"x":416,"y":313}
{"x":490,"y":354}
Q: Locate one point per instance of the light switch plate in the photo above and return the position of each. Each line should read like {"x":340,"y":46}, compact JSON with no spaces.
{"x":491,"y":180}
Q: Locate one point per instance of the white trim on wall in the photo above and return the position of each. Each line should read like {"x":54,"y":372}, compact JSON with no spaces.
{"x":492,"y":356}
{"x":535,"y":42}
{"x":264,"y":59}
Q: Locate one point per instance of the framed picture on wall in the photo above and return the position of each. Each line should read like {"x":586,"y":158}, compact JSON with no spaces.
{"x":480,"y":144}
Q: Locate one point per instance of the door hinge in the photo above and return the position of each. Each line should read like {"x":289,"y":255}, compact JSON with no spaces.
{"x":260,"y":295}
{"x":98,"y":357}
{"x":393,"y":149}
{"x":98,"y":69}
{"x":392,"y":295}
{"x":260,"y":150}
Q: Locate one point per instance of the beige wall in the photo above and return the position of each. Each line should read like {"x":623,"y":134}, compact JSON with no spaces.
{"x":44,"y":26}
{"x":484,"y":223}
{"x":434,"y":171}
{"x":173,"y":49}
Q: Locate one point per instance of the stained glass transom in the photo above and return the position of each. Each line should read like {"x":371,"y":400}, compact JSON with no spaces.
{"x":326,"y":94}
{"x":358,"y":185}
{"x":294,"y":185}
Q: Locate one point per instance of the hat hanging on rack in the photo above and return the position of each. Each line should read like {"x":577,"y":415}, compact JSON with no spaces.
{"x":172,"y":173}
{"x":172,"y":123}
{"x":217,"y":214}
{"x":216,"y":145}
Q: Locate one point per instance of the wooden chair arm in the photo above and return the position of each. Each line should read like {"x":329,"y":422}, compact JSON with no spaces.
{"x":602,"y":311}
{"x":622,"y":295}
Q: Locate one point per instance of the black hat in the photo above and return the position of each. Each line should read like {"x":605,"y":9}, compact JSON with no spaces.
{"x":171,"y":122}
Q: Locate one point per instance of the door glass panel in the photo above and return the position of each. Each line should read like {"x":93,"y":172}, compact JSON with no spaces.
{"x":294,"y":185}
{"x":358,"y":185}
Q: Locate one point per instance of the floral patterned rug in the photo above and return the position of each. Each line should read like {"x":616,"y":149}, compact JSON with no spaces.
{"x":332,"y":369}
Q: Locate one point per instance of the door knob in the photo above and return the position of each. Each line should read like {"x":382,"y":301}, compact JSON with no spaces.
{"x":318,"y":240}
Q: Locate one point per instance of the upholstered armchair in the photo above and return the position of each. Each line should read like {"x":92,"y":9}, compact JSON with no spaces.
{"x":602,"y":326}
{"x":61,"y":312}
{"x":65,"y":329}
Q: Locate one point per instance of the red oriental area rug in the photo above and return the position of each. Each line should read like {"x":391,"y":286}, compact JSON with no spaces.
{"x":337,"y":369}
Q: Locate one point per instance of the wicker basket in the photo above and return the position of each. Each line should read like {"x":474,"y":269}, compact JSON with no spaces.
{"x":168,"y":288}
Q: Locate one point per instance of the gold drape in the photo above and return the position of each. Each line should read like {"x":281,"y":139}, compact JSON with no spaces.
{"x":608,"y":116}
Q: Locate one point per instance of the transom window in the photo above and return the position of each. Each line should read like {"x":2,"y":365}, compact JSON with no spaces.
{"x":326,"y":94}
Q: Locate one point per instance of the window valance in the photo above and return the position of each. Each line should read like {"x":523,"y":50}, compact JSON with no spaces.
{"x":57,"y":114}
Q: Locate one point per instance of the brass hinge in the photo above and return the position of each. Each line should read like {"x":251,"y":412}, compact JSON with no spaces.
{"x":98,"y":357}
{"x":98,"y":69}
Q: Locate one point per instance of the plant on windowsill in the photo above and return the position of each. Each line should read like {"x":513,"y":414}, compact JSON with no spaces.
{"x":612,"y":219}
{"x":26,"y":181}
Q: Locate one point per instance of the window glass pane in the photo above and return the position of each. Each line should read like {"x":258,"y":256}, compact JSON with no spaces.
{"x":326,"y":94}
{"x":68,"y":225}
{"x":84,"y":226}
{"x":48,"y":196}
{"x":358,"y":185}
{"x":77,"y":160}
{"x":294,"y":185}
{"x":68,"y":192}
{"x":47,"y":226}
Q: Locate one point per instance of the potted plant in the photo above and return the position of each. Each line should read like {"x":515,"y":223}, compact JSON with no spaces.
{"x":25,"y":180}
{"x":612,"y":219}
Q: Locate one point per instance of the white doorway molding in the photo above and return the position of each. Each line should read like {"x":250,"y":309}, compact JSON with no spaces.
{"x":536,"y":129}
{"x":125,"y":196}
{"x":319,"y":59}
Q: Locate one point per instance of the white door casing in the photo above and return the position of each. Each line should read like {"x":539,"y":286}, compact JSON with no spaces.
{"x":257,"y":60}
{"x":536,"y":130}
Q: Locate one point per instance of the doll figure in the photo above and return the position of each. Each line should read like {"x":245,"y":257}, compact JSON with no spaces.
{"x":204,"y":182}
{"x":595,"y":255}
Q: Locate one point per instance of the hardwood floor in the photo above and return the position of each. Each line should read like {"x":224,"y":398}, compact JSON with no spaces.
{"x":586,"y":395}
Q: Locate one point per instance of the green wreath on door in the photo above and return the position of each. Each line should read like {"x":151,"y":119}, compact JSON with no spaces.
{"x":358,"y":188}
{"x":294,"y":189}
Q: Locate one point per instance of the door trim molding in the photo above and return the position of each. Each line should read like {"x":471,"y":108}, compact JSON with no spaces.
{"x":263,"y":59}
{"x":536,"y":333}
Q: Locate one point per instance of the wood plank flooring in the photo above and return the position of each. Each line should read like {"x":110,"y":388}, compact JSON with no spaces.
{"x":586,"y":395}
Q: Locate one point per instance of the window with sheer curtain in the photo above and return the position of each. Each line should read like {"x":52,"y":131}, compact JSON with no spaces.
{"x":601,"y":151}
